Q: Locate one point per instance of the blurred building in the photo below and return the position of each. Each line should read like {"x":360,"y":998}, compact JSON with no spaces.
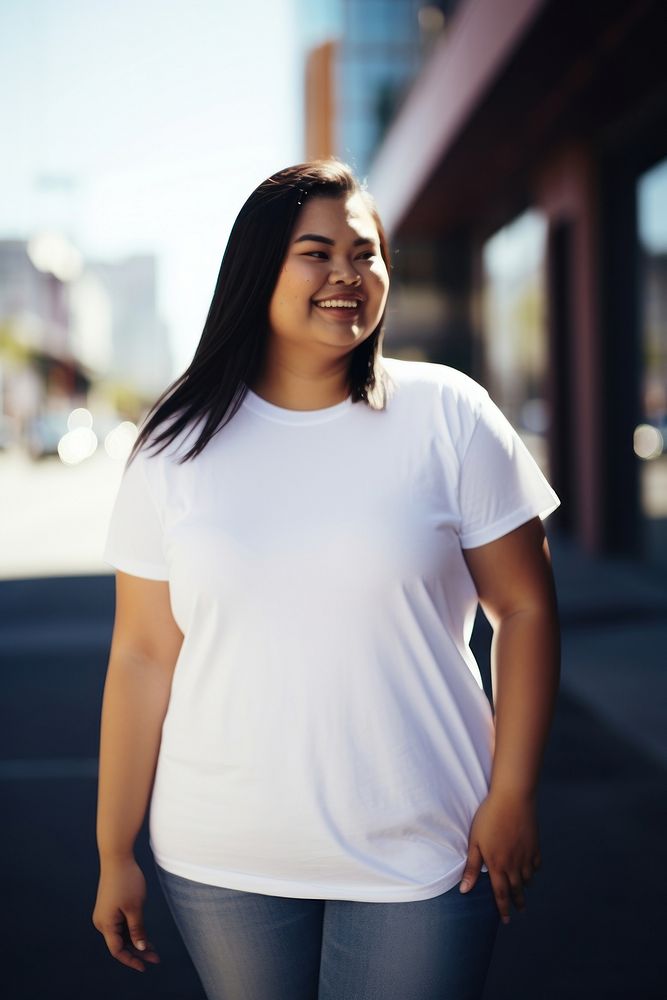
{"x":140,"y":353}
{"x":512,"y":179}
{"x":39,"y":370}
{"x":320,"y":101}
{"x":70,"y":330}
{"x":33,"y":299}
{"x":362,"y":58}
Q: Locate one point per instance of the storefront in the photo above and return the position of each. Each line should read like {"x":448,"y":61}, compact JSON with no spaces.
{"x":531,"y":155}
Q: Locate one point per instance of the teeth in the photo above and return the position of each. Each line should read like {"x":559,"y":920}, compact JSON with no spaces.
{"x":338,"y":304}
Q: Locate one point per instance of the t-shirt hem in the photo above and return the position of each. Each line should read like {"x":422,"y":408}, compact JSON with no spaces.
{"x":137,"y":568}
{"x":492,"y":532}
{"x":245,"y":882}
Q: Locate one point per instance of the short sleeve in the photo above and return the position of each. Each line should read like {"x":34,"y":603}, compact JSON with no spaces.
{"x":134,"y":542}
{"x":501,"y":486}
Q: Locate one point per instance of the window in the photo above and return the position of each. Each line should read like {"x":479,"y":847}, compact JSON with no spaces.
{"x":650,"y":437}
{"x":514,"y":328}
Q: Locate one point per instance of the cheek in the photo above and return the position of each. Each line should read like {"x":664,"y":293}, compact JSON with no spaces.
{"x":290,"y":300}
{"x":379,"y":273}
{"x":294,"y":285}
{"x":379,"y":281}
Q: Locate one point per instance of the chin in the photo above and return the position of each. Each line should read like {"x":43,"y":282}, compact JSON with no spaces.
{"x":352,"y":336}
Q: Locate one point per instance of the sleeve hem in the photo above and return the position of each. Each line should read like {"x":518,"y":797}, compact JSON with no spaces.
{"x":135,"y":567}
{"x":491,"y":532}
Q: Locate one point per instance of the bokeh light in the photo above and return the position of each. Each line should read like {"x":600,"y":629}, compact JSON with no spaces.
{"x":51,"y":252}
{"x":77,"y":445}
{"x":81,"y":417}
{"x":431,"y":18}
{"x":648,"y":442}
{"x":118,"y":442}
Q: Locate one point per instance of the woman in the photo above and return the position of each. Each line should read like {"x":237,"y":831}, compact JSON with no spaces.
{"x":301,"y":538}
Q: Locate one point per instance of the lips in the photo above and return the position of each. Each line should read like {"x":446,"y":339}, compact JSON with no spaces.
{"x":339,"y":313}
{"x":340,"y":298}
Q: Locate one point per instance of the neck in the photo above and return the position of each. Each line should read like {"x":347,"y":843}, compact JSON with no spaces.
{"x":304,"y":386}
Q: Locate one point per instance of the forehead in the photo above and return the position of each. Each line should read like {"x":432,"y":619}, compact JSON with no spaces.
{"x":346,"y":212}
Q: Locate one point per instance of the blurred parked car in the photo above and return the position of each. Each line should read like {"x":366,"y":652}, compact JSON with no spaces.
{"x":7,"y":431}
{"x":44,"y":433}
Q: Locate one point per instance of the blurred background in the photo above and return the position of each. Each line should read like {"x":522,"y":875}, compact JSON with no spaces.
{"x":517,"y":153}
{"x":517,"y":150}
{"x":135,"y":132}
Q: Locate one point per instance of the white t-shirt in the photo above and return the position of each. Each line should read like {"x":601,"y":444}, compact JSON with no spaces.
{"x":328,"y":735}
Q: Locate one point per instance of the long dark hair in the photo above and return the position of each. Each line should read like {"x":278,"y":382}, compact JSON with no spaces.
{"x":231,"y":347}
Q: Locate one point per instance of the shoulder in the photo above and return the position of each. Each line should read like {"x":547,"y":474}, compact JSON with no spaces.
{"x":431,"y":398}
{"x":423,"y":379}
{"x":157,"y":465}
{"x":156,"y":452}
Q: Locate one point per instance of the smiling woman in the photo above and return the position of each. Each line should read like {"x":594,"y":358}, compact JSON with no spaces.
{"x":325,"y":303}
{"x":302,"y":538}
{"x":238,"y":337}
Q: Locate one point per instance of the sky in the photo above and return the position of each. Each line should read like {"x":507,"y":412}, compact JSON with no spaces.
{"x":143,"y":125}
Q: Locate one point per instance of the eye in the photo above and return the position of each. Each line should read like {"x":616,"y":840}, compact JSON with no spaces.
{"x":322,"y":253}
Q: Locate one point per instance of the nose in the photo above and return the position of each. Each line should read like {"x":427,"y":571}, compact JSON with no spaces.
{"x":347,"y":275}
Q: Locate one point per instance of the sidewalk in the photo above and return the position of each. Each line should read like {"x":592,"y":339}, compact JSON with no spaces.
{"x":593,"y":926}
{"x":614,"y":621}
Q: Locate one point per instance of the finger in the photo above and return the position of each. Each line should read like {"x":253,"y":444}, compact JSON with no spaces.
{"x":516,"y":888}
{"x":138,"y":936}
{"x":135,"y":927}
{"x":150,"y":954}
{"x":116,"y":946}
{"x":471,"y":870}
{"x":501,"y":892}
{"x":527,"y":874}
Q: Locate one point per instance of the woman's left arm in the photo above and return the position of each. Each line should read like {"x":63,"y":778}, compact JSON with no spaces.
{"x":516,"y":591}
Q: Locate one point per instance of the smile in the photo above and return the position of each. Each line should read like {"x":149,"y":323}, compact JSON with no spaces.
{"x":349,"y":304}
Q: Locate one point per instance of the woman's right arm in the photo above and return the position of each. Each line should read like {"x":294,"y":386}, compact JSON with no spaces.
{"x":144,"y":648}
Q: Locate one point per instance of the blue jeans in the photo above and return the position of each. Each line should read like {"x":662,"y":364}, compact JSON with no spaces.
{"x":249,"y":946}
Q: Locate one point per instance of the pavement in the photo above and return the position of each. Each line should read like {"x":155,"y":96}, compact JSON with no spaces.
{"x":594,"y":926}
{"x":55,"y":517}
{"x":614,"y":619}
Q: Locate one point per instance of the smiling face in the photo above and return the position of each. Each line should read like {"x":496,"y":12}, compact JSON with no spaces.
{"x":333,"y":259}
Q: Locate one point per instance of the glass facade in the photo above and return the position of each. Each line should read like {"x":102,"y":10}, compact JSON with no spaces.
{"x":381,"y":47}
{"x":514,"y":335}
{"x":650,"y":437}
{"x":379,"y":56}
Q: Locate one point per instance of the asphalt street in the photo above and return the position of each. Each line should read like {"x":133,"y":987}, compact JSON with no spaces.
{"x":594,"y":926}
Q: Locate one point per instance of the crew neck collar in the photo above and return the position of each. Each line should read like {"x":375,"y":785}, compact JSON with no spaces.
{"x":280,"y":415}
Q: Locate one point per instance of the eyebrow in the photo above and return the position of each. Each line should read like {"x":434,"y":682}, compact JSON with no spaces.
{"x":314,"y":238}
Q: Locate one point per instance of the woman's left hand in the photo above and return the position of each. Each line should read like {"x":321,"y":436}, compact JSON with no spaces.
{"x":504,"y":837}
